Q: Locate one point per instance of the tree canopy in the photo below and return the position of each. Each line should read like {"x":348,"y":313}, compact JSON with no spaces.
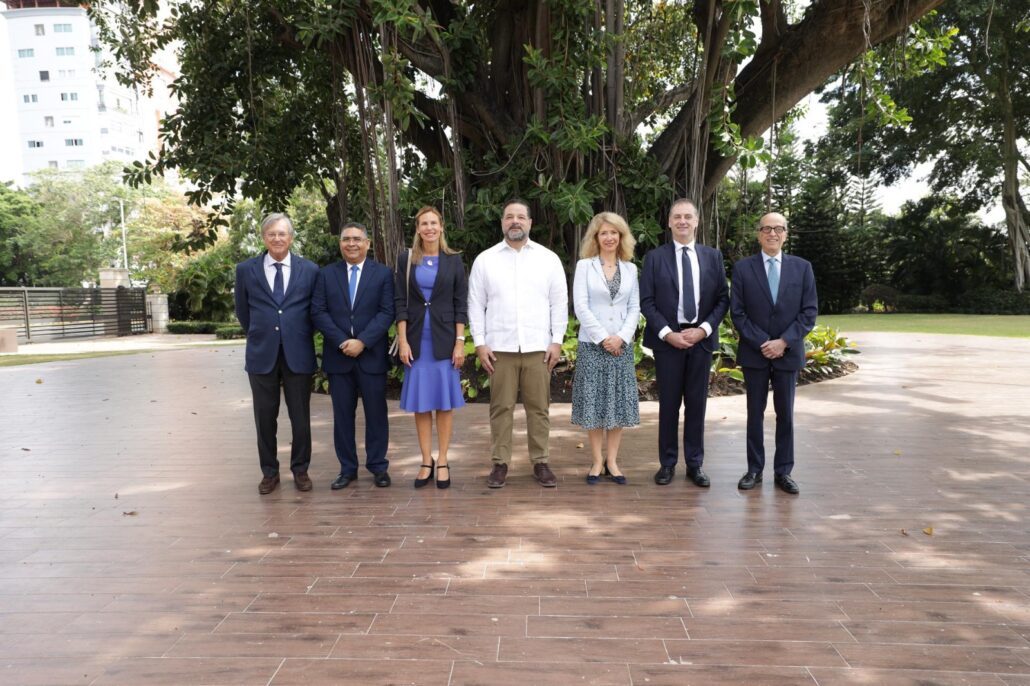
{"x":573,"y":104}
{"x":967,"y":115}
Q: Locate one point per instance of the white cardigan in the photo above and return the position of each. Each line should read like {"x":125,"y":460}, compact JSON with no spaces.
{"x":599,"y":314}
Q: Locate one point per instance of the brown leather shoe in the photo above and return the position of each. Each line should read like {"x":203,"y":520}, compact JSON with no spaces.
{"x":543,"y":474}
{"x":268,"y":484}
{"x":497,"y":476}
{"x":302,"y":481}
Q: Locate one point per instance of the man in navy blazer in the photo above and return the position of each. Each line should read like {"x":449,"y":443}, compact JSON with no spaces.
{"x":683,"y":296}
{"x":773,"y":306}
{"x":273,"y":304}
{"x":353,"y":308}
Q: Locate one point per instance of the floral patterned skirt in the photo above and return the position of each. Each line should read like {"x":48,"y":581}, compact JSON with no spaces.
{"x":604,"y":389}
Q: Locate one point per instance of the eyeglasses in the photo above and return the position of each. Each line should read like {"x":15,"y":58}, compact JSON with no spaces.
{"x":773,"y":229}
{"x":352,"y":239}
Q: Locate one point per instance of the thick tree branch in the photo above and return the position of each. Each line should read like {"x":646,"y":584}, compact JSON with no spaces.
{"x":810,"y":52}
{"x":659,"y":103}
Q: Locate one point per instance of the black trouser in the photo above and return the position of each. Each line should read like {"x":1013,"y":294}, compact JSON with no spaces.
{"x":297,"y":391}
{"x":756,"y":381}
{"x":682,"y":377}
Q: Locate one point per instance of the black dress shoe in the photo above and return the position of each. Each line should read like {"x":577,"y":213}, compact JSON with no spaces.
{"x":749,"y":481}
{"x":382,"y":479}
{"x":699,"y":477}
{"x":342,"y":481}
{"x":420,"y":483}
{"x":787,"y":484}
{"x":663,"y":476}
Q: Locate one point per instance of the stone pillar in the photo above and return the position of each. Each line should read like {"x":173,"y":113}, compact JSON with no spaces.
{"x":8,"y":339}
{"x":114,"y":277}
{"x":157,"y":306}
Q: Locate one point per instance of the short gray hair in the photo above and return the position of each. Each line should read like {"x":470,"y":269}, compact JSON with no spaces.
{"x":273,"y":219}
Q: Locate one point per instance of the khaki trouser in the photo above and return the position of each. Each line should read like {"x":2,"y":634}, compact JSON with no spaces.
{"x":528,"y":373}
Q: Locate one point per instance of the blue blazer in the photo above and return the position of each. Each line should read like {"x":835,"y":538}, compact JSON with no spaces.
{"x":758,"y":320}
{"x":660,"y":292}
{"x":369,"y":321}
{"x":599,"y":314}
{"x":269,"y":325}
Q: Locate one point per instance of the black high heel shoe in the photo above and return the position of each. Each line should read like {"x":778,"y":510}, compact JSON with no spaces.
{"x":419,"y":483}
{"x":443,"y":483}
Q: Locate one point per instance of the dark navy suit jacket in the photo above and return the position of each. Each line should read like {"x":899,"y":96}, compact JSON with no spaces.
{"x":369,"y":320}
{"x":758,"y":320}
{"x":268,"y":324}
{"x":660,"y":294}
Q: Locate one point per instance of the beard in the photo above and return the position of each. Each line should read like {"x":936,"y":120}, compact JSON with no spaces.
{"x":515,"y":233}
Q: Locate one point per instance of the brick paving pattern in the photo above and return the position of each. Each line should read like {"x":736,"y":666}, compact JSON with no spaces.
{"x":135,"y":549}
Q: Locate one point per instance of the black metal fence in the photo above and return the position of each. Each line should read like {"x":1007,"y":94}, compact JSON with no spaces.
{"x":42,"y":314}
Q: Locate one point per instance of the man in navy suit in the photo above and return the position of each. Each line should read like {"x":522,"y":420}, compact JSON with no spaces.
{"x":353,"y":308}
{"x":683,"y":296}
{"x":273,"y":304}
{"x":773,"y":306}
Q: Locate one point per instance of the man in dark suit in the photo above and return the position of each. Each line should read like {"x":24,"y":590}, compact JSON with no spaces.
{"x":683,"y":296}
{"x":353,"y":308}
{"x":773,"y":306}
{"x":273,"y":304}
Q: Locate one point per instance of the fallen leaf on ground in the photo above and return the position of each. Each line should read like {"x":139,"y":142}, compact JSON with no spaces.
{"x":928,"y":531}
{"x":28,"y":450}
{"x":39,"y":380}
{"x":904,"y":533}
{"x":130,"y":513}
{"x":897,"y":452}
{"x":579,"y":445}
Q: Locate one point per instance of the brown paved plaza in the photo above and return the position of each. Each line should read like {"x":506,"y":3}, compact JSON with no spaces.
{"x":135,"y":549}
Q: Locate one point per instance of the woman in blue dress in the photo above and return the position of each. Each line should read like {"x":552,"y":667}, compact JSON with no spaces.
{"x":432,"y":312}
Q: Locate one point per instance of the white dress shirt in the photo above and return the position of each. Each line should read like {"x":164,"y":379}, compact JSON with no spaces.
{"x":269,"y":265}
{"x":695,"y":273}
{"x":518,"y":299}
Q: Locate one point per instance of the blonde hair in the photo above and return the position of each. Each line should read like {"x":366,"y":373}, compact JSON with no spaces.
{"x":589,"y":246}
{"x":416,"y":242}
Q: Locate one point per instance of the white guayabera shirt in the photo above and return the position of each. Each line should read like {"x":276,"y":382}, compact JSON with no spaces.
{"x":518,"y":299}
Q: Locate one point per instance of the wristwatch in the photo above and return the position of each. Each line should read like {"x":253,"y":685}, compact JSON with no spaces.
{"x":460,"y":338}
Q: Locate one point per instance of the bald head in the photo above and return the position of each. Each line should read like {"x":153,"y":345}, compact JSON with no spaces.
{"x":772,"y":233}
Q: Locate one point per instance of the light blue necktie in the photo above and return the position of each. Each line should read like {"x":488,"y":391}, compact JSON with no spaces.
{"x":352,"y":285}
{"x":774,"y":277}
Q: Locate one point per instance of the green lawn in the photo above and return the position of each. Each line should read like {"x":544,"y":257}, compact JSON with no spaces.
{"x":16,"y":360}
{"x":1012,"y":326}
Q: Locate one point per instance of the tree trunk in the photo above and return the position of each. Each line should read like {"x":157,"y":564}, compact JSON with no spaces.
{"x":1017,"y":219}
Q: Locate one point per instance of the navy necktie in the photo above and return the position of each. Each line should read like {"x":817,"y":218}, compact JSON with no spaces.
{"x":278,"y":286}
{"x":689,"y":309}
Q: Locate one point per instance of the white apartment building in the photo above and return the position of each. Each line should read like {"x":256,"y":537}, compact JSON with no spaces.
{"x":57,"y":111}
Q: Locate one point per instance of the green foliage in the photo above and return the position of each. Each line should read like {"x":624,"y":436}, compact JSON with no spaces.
{"x":935,"y":247}
{"x":826,"y":350}
{"x":879,"y":297}
{"x":229,"y":331}
{"x":19,"y":217}
{"x":193,"y":326}
{"x":320,"y":380}
{"x":204,"y":286}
